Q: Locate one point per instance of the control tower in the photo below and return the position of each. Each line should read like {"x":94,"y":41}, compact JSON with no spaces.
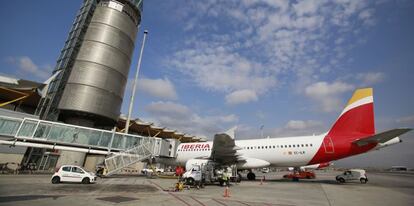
{"x":92,"y":69}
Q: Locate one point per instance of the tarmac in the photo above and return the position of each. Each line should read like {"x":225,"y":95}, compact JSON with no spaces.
{"x":382,"y":189}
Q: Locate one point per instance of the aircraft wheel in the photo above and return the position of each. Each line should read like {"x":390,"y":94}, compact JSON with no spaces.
{"x":251,"y":176}
{"x":363,"y":180}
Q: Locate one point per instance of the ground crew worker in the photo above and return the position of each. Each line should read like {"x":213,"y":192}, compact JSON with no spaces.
{"x":225,"y":178}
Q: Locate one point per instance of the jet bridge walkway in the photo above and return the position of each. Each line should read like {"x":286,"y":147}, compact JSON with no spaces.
{"x":122,"y":149}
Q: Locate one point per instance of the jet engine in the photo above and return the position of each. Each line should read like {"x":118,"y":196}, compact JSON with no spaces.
{"x":249,"y":163}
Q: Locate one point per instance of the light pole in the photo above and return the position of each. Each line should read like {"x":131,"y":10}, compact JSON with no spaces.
{"x":261,"y":130}
{"x":131,"y":102}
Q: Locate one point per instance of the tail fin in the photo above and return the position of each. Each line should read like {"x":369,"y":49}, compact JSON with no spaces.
{"x":357,"y":119}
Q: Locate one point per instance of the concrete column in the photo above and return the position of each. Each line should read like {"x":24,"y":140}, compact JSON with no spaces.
{"x":71,"y":158}
{"x":92,"y":160}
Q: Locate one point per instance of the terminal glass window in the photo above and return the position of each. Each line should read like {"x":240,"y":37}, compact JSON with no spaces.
{"x":42,"y":130}
{"x":27,"y":129}
{"x":94,"y":137}
{"x":105,"y":139}
{"x":117,"y":142}
{"x":8,"y":126}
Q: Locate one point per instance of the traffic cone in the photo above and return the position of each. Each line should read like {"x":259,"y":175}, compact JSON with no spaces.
{"x":226,"y":192}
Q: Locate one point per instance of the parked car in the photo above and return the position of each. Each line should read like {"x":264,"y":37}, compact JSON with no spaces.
{"x":73,"y":173}
{"x":353,"y":174}
{"x":149,"y":170}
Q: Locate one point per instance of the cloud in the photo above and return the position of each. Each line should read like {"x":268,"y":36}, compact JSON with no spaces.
{"x":300,"y":127}
{"x":262,"y":45}
{"x":370,"y":78}
{"x":241,"y":96}
{"x":170,"y":109}
{"x":307,"y":7}
{"x":182,"y":118}
{"x":29,"y":69}
{"x":408,"y":120}
{"x":160,"y":88}
{"x":328,"y":94}
{"x":290,"y":129}
{"x":216,"y":68}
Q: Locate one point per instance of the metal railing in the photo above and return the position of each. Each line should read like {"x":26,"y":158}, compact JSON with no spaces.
{"x":123,"y":159}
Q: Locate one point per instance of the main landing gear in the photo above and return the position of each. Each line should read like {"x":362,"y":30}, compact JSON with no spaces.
{"x":251,"y":175}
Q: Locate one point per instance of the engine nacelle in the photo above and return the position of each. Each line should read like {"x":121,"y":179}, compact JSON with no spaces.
{"x":251,"y":163}
{"x":189,"y":164}
{"x":392,"y":141}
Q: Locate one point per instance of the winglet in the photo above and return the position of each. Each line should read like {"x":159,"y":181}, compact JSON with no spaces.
{"x":231,"y":132}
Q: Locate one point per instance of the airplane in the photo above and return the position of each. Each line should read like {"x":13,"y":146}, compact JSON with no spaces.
{"x":353,"y":133}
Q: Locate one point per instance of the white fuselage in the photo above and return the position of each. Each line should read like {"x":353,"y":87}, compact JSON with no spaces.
{"x":291,"y":151}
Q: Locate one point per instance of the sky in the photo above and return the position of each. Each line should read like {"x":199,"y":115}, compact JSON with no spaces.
{"x":287,"y":67}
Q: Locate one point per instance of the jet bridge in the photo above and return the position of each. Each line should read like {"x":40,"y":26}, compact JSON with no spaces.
{"x":122,"y":149}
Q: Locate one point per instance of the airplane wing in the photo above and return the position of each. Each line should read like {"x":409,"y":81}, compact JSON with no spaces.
{"x":224,"y":149}
{"x":381,"y":137}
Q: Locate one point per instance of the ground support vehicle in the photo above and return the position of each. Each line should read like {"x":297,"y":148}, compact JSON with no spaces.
{"x":352,"y":175}
{"x":209,"y":172}
{"x":296,"y":175}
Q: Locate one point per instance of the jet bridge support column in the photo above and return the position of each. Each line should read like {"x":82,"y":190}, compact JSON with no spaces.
{"x":71,"y":158}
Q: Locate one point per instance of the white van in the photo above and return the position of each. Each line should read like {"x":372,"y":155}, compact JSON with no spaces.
{"x":73,"y":173}
{"x":353,"y":174}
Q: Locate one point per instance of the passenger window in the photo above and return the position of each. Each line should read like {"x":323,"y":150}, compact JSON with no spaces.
{"x":77,"y":170}
{"x":306,"y":145}
{"x":66,"y":169}
{"x":302,"y":145}
{"x":311,"y":145}
{"x":266,"y":147}
{"x":290,"y":146}
{"x":293,"y":145}
{"x":274,"y":147}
